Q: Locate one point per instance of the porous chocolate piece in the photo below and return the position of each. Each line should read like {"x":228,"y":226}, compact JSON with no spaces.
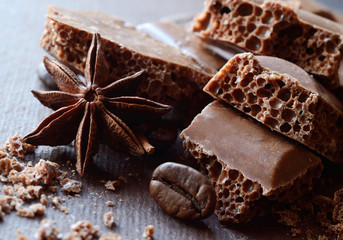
{"x":172,"y":76}
{"x":275,"y":29}
{"x":296,"y":106}
{"x":247,"y":163}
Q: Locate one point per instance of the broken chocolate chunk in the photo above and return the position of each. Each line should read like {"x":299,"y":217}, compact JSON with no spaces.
{"x":284,"y":97}
{"x":173,"y":78}
{"x":275,"y":29}
{"x":247,"y":163}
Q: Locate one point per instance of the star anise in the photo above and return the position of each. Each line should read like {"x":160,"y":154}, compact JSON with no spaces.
{"x":98,"y":109}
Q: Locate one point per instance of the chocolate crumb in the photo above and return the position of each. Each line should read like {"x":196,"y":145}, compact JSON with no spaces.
{"x":47,"y":231}
{"x":70,"y":185}
{"x":123,"y":179}
{"x":8,"y":203}
{"x":64,"y":210}
{"x":3,"y":154}
{"x":111,"y":185}
{"x":111,"y":236}
{"x":56,"y":201}
{"x":108,"y":219}
{"x":295,"y":232}
{"x":46,"y":171}
{"x":25,"y":178}
{"x":83,"y":230}
{"x":20,"y":236}
{"x":3,"y":179}
{"x":53,"y":189}
{"x":15,"y":146}
{"x":43,"y":199}
{"x":8,"y":190}
{"x":31,"y":211}
{"x":149,"y":232}
{"x":27,"y":193}
{"x":110,"y":203}
{"x":7,"y":165}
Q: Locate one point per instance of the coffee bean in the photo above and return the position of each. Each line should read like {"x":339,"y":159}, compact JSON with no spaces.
{"x":45,"y":77}
{"x":182,"y":191}
{"x":163,"y":135}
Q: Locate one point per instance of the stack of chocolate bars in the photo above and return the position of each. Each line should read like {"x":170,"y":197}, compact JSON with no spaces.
{"x":274,"y":116}
{"x":249,"y":163}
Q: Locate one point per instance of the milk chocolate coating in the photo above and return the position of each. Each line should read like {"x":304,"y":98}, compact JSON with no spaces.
{"x":173,"y":78}
{"x":246,"y":161}
{"x":188,"y":42}
{"x":182,"y":191}
{"x":275,"y":29}
{"x":287,"y":100}
{"x":308,"y":82}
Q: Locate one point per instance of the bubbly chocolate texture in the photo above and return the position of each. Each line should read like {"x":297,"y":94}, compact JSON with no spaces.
{"x":173,"y":77}
{"x":282,"y":96}
{"x":275,"y":29}
{"x":182,"y":191}
{"x":247,"y":163}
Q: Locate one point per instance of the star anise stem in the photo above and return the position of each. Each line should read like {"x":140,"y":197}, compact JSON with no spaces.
{"x":148,"y":148}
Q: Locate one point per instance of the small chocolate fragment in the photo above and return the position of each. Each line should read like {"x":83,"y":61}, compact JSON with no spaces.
{"x":47,"y":231}
{"x":45,"y":77}
{"x":172,"y":76}
{"x":275,"y":29}
{"x":111,"y":236}
{"x":284,"y":97}
{"x":108,"y":219}
{"x":247,"y":163}
{"x":182,"y":191}
{"x":149,"y":232}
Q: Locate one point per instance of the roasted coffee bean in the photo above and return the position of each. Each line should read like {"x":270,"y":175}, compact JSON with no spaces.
{"x":182,"y":191}
{"x":163,"y":135}
{"x":45,"y":77}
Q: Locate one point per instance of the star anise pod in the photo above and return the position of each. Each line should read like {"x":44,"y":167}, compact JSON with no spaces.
{"x":98,"y":109}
